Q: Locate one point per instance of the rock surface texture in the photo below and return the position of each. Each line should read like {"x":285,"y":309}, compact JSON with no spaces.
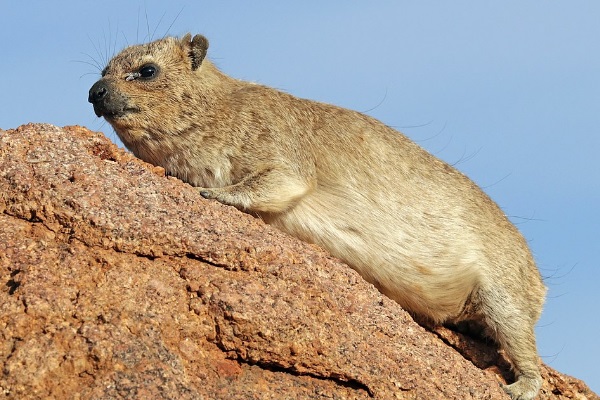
{"x":118,"y":282}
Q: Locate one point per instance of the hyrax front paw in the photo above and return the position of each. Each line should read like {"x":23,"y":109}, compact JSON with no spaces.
{"x":207,"y":193}
{"x":218,"y":194}
{"x":229,"y":195}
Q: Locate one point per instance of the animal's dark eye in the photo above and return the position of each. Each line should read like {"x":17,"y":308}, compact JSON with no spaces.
{"x":148,"y":71}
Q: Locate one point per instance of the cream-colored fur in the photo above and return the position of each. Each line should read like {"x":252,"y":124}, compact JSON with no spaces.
{"x":418,"y":229}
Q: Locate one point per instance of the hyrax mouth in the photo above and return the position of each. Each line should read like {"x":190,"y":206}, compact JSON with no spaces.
{"x":107,"y":102}
{"x":112,"y":114}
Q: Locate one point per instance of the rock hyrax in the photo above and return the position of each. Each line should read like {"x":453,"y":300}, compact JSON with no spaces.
{"x":419,"y":230}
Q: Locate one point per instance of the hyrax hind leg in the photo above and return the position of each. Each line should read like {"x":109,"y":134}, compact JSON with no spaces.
{"x":514,"y":331}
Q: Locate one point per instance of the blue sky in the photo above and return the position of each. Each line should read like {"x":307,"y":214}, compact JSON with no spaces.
{"x":508,"y":91}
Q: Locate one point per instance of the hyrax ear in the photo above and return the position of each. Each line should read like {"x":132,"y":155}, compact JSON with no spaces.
{"x":197,"y":48}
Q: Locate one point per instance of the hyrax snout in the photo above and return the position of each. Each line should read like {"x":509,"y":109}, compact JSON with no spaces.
{"x":418,"y":229}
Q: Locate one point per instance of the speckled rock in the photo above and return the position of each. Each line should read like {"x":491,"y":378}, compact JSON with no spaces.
{"x":118,"y":282}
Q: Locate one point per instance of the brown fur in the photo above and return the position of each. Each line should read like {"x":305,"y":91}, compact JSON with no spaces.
{"x":415,"y":227}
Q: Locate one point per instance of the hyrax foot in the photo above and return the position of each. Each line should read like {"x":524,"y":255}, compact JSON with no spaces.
{"x":525,"y":388}
{"x":227,"y":196}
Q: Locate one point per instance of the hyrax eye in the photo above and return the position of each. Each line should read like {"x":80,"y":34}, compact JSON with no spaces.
{"x":148,"y":71}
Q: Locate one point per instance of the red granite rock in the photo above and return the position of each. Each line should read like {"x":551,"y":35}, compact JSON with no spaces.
{"x":118,"y":282}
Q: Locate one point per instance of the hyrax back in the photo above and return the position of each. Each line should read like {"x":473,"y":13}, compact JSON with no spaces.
{"x":415,"y":227}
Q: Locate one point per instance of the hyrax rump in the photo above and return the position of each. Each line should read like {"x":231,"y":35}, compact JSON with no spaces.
{"x":419,"y":230}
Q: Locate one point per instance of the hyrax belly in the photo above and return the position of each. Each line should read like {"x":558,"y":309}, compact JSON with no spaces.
{"x":429,"y":275}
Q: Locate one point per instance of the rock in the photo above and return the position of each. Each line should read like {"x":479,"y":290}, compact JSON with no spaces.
{"x":118,"y":282}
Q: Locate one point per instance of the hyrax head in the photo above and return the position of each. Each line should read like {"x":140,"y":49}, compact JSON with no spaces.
{"x":144,"y":83}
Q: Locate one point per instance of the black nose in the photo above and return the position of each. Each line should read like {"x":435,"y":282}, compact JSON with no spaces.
{"x":98,"y":92}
